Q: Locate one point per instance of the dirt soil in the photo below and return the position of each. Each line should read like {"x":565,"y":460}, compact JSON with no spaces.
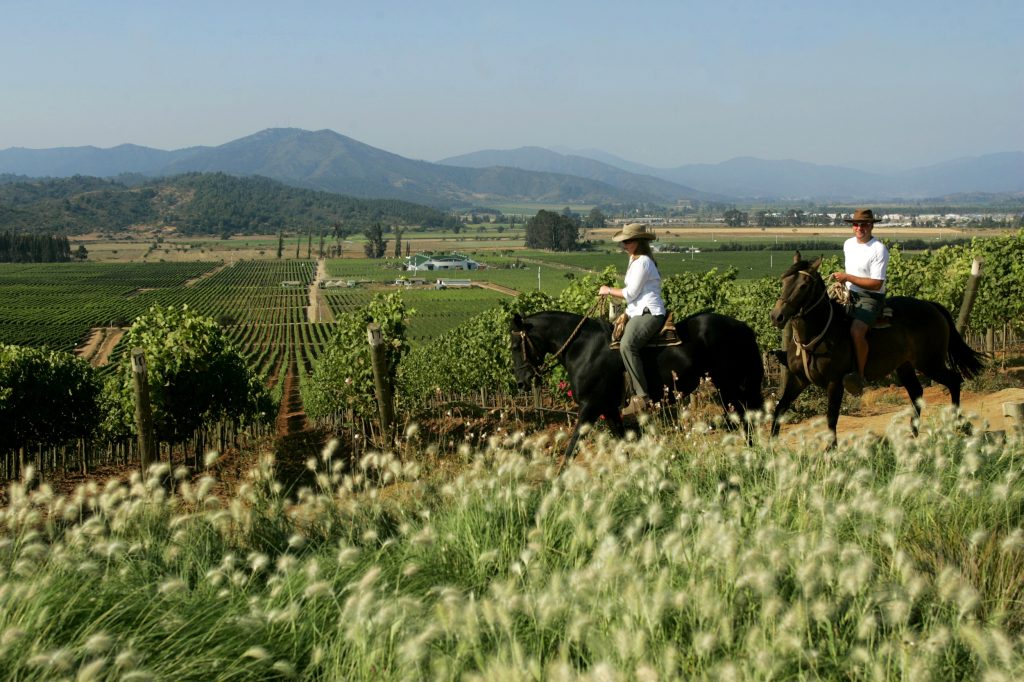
{"x":98,"y":346}
{"x":879,"y":407}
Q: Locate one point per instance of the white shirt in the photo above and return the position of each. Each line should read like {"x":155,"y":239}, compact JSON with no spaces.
{"x":866,"y":260}
{"x":643,"y":287}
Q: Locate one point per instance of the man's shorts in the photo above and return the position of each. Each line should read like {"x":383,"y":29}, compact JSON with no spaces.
{"x":865,"y":306}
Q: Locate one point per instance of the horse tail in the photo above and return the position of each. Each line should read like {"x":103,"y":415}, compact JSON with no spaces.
{"x":752,"y":379}
{"x":964,"y":360}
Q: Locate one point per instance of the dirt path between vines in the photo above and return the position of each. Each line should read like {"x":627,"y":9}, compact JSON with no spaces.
{"x":318,"y":310}
{"x":98,"y":346}
{"x":497,"y":287}
{"x":879,"y":407}
{"x":207,"y":274}
{"x":291,"y":417}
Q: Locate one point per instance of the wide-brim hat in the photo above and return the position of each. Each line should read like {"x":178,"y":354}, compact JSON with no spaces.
{"x":633,"y":231}
{"x":863,"y":215}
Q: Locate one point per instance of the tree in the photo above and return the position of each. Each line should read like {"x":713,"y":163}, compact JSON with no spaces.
{"x":81,"y":253}
{"x":595,"y":219}
{"x":735,"y":218}
{"x":376,"y":246}
{"x":280,"y":243}
{"x":549,"y":230}
{"x":398,"y":243}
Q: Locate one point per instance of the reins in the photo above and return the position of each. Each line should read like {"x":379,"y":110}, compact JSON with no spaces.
{"x":803,"y":350}
{"x":527,"y":341}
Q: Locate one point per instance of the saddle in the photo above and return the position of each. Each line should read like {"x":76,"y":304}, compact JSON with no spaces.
{"x":666,"y":337}
{"x":838,"y":292}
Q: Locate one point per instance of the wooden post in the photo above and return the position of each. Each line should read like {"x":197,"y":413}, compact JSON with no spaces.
{"x":143,"y":412}
{"x":381,"y":379}
{"x":969,"y":295}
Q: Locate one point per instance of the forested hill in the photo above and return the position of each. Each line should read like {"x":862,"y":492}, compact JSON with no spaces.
{"x":193,"y":203}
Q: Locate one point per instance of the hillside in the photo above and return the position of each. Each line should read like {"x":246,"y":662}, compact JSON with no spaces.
{"x":212,"y":203}
{"x":539,"y":159}
{"x":326,"y":161}
{"x":753,"y":178}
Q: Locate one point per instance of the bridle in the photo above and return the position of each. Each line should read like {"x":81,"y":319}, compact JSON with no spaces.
{"x":524,"y":342}
{"x":803,"y":350}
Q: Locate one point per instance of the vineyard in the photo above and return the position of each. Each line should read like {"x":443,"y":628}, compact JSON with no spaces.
{"x":454,"y":545}
{"x":447,"y":346}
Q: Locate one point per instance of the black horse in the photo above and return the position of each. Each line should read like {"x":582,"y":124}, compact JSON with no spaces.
{"x":920,"y":336}
{"x":712,"y":344}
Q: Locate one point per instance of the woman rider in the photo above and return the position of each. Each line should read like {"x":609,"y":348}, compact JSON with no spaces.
{"x":644,"y":308}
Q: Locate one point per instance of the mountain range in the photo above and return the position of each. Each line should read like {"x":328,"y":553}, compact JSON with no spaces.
{"x":328,"y":161}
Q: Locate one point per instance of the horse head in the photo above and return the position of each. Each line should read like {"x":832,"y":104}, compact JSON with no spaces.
{"x":526,"y":359}
{"x":802,"y":289}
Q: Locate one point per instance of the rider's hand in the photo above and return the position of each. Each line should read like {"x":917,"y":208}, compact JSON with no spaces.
{"x":839,"y":276}
{"x":604,"y":290}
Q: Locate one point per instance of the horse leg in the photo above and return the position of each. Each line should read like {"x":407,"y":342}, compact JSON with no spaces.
{"x":908,"y":377}
{"x":588,"y":415}
{"x":835,"y":401}
{"x":790,"y":392}
{"x":952,"y":380}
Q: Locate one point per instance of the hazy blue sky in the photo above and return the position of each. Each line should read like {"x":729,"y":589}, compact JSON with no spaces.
{"x":665,"y":83}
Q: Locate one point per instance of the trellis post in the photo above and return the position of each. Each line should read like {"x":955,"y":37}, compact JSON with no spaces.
{"x":143,"y":411}
{"x":381,"y":380}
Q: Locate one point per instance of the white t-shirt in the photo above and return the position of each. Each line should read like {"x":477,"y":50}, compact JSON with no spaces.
{"x":643,"y":287}
{"x":866,"y":260}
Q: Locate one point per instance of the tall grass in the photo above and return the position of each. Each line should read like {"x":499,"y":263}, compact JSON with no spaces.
{"x":672,"y":556}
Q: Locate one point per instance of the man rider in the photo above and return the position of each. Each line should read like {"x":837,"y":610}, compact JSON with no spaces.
{"x":866,"y":261}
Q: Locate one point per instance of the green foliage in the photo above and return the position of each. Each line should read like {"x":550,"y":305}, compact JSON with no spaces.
{"x":46,"y":397}
{"x":550,"y":230}
{"x":343,"y":376}
{"x":34,"y":248}
{"x":475,"y":356}
{"x":375,"y":246}
{"x":195,"y":376}
{"x":195,"y":203}
{"x":690,"y":292}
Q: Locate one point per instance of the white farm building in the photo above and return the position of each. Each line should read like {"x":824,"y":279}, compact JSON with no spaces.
{"x":455,"y":261}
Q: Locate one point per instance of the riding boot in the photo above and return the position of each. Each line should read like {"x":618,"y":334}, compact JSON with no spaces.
{"x":854,"y":383}
{"x":637,"y":405}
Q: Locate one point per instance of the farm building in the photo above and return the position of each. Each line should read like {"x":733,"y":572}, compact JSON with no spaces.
{"x":455,"y":261}
{"x":453,"y":284}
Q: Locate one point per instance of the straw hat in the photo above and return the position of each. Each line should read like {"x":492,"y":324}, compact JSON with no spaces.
{"x":863,"y":215}
{"x":633,"y":231}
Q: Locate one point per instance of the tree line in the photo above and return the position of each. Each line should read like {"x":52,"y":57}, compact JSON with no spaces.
{"x":32,"y":248}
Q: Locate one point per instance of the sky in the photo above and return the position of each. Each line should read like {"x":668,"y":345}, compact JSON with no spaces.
{"x":877,"y":85}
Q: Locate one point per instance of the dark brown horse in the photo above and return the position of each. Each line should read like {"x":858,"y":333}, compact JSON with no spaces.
{"x":921,"y":336}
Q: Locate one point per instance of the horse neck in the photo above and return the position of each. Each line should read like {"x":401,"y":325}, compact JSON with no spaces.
{"x":557,"y":329}
{"x":813,"y":322}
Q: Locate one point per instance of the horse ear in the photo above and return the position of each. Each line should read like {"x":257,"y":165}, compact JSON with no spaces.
{"x":796,"y":257}
{"x":816,"y":263}
{"x":517,"y":321}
